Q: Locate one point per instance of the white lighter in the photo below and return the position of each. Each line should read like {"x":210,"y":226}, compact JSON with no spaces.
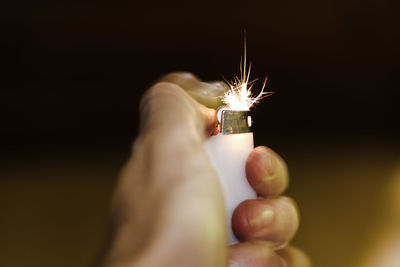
{"x":230,"y":148}
{"x":228,"y":152}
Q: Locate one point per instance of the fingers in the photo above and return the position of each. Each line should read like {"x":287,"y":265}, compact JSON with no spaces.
{"x":294,"y":257}
{"x":184,"y":79}
{"x":275,"y":220}
{"x":179,"y":101}
{"x":167,"y":108}
{"x":259,"y":254}
{"x":266,"y":172}
{"x":207,"y":94}
{"x":254,"y":254}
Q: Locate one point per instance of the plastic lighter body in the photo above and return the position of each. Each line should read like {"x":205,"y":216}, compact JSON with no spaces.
{"x":228,"y":153}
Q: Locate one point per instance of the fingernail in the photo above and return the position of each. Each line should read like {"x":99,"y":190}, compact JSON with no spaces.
{"x":263,"y":219}
{"x":218,"y":87}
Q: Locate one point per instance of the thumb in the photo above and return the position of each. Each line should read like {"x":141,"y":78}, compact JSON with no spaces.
{"x":166,"y":107}
{"x":208,"y":94}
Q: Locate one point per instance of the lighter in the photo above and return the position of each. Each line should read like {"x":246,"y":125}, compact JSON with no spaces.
{"x":228,"y":152}
{"x":230,"y":148}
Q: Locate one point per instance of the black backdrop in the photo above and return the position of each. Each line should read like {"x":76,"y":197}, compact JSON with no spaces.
{"x":73,"y":72}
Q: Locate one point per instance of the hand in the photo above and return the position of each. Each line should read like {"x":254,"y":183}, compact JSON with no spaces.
{"x":266,"y":225}
{"x":168,"y":208}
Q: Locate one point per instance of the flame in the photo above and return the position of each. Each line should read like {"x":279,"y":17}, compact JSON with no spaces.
{"x":240,"y":95}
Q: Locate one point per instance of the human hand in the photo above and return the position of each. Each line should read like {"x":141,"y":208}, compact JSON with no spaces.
{"x":267,"y":224}
{"x":168,"y":206}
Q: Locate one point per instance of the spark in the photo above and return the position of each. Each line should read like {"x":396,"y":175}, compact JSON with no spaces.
{"x":240,"y":95}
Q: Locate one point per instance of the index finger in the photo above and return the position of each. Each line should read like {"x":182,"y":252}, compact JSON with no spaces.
{"x":206,"y":93}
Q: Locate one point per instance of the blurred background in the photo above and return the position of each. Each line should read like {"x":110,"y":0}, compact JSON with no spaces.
{"x":73,"y":72}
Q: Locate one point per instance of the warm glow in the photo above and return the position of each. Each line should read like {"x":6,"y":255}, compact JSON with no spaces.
{"x":240,"y":96}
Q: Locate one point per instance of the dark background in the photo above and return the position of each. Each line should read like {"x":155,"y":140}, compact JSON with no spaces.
{"x":72,"y":77}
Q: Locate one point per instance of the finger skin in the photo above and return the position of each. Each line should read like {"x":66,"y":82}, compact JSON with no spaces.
{"x":254,"y":254}
{"x":187,"y":81}
{"x":167,"y":107}
{"x":266,"y":172}
{"x":294,"y":257}
{"x":208,"y":94}
{"x":275,"y":220}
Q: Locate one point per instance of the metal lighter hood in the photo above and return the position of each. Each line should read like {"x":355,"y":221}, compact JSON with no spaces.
{"x":235,"y":122}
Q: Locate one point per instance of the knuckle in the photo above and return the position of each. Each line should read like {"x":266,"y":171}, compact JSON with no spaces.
{"x":186,"y":80}
{"x":154,"y":97}
{"x":160,"y":89}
